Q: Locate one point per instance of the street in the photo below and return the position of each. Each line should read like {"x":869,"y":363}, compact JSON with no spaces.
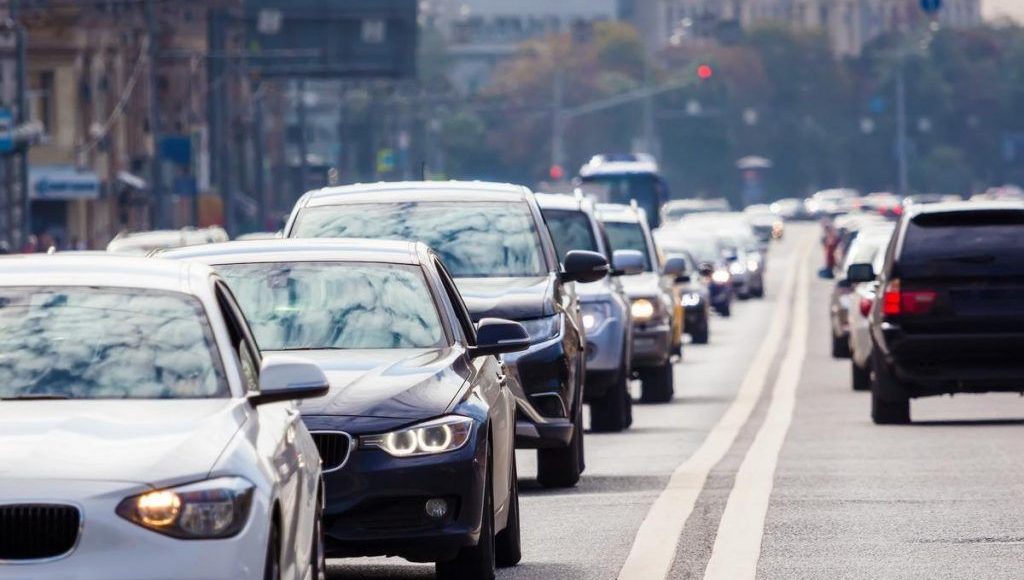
{"x":767,"y":465}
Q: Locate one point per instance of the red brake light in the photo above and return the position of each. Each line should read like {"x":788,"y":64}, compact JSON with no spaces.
{"x":897,"y":301}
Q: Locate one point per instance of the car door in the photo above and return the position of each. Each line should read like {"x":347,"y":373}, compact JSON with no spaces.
{"x":283,"y":442}
{"x":491,"y":386}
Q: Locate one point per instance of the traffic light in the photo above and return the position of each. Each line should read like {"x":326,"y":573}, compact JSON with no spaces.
{"x":705,"y":72}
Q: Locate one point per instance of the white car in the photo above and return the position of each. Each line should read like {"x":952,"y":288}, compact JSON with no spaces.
{"x":868,"y":248}
{"x":142,"y":436}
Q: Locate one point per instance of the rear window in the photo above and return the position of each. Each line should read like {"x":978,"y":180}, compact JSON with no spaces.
{"x":570,"y":230}
{"x":987,"y":243}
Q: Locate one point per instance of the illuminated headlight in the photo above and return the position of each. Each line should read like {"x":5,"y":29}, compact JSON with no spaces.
{"x":752,"y":265}
{"x":595,"y":313}
{"x":430,"y":438}
{"x":642,"y":310}
{"x":721,"y":277}
{"x":216,"y":508}
{"x":690,"y":299}
{"x":541,"y":329}
{"x":737,"y":268}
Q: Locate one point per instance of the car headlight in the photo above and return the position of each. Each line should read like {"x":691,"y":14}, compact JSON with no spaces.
{"x":752,"y":265}
{"x":737,"y":268}
{"x":690,"y":299}
{"x":721,"y":277}
{"x":430,"y":438}
{"x":216,"y":508}
{"x":642,"y":310}
{"x":594,"y":314}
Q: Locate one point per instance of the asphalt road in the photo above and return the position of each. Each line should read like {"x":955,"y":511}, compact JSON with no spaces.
{"x":767,"y":465}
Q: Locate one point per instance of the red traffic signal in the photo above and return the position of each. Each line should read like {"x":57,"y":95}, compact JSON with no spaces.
{"x":705,"y":72}
{"x":556,"y":172}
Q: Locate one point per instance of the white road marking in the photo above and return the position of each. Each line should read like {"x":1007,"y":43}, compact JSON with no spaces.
{"x":738,"y":543}
{"x":654,"y":547}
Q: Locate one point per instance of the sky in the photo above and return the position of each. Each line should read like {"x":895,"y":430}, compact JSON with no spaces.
{"x":997,"y":8}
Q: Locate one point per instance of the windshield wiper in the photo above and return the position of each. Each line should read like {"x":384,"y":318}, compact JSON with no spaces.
{"x":975,"y":259}
{"x":35,"y":398}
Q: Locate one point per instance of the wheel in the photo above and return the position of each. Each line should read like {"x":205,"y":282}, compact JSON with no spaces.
{"x":861,"y":378}
{"x":608,"y":415}
{"x":272,"y":567}
{"x":561,"y":467}
{"x":700,"y":335}
{"x":743,"y":295}
{"x":508,"y":546}
{"x":759,"y":293}
{"x":657,"y":383}
{"x":725,"y":310}
{"x":840,"y":347}
{"x":476,"y":561}
{"x":629,"y":408}
{"x":890,"y":404}
{"x":318,"y":564}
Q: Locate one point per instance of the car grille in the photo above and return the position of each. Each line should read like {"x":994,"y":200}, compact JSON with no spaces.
{"x":37,"y":531}
{"x":334,"y":448}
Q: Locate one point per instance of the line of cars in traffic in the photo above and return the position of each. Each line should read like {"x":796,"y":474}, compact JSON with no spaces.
{"x":356,"y":389}
{"x":929,"y":300}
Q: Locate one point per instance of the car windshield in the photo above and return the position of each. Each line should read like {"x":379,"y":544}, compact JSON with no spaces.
{"x":335,"y":305}
{"x":570,"y":230}
{"x":93,"y":343}
{"x":964,"y":243}
{"x":475,"y":239}
{"x":629,"y":236}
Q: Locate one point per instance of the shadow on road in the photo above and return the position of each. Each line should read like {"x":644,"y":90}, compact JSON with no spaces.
{"x":969,"y":423}
{"x":356,"y":569}
{"x":597,"y":484}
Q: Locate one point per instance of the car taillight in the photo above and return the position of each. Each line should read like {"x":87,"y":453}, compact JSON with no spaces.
{"x":897,"y":301}
{"x":865,"y":306}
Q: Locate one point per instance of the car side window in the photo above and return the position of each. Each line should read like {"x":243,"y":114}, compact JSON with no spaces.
{"x":461,"y":312}
{"x":241,"y":339}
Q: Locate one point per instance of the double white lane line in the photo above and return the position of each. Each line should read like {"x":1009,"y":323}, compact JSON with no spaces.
{"x":738,"y":543}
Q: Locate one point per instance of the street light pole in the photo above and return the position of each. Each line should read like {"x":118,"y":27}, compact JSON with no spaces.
{"x":901,"y":130}
{"x":158,"y":210}
{"x":22,"y":88}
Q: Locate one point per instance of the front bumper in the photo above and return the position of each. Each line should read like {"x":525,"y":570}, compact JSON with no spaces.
{"x":721,"y":294}
{"x":112,"y":548}
{"x":606,"y":353}
{"x":375,"y":503}
{"x":542,"y":381}
{"x":652,"y":344}
{"x":696,"y":317}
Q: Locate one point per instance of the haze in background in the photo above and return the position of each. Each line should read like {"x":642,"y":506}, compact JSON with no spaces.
{"x":996,"y":9}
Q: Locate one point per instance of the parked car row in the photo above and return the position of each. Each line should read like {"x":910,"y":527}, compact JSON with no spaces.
{"x":358,"y":388}
{"x":930,"y":304}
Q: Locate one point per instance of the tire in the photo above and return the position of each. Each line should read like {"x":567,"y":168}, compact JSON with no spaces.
{"x":508,"y":545}
{"x":629,"y":408}
{"x":759,"y":293}
{"x":657,"y":383}
{"x":725,"y":310}
{"x":608,"y":415}
{"x":318,"y":563}
{"x":861,"y":378}
{"x":840,"y":347}
{"x":890,"y":404}
{"x":700,"y":336}
{"x":272,"y":565}
{"x":476,"y":561}
{"x":561,"y":467}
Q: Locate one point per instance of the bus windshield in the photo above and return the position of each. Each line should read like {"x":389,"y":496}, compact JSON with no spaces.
{"x":648,"y":190}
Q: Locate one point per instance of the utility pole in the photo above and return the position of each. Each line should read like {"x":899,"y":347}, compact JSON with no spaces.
{"x":303,"y":153}
{"x":558,"y":118}
{"x":22,"y":117}
{"x":902,"y":147}
{"x":650,"y":144}
{"x":257,"y":141}
{"x":159,"y":211}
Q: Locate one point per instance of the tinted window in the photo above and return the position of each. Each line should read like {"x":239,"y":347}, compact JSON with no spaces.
{"x":629,"y":236}
{"x":475,"y":240}
{"x":571,"y":230}
{"x":646,"y":190}
{"x":968,"y":243}
{"x":87,"y":343}
{"x":335,"y":305}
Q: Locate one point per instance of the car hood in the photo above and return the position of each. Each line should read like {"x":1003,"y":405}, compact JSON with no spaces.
{"x":595,"y":291}
{"x":407,"y":384}
{"x":644,"y":284}
{"x":143,"y":442}
{"x":511,"y":298}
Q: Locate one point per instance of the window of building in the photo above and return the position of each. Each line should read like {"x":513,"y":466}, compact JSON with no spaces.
{"x":41,"y":96}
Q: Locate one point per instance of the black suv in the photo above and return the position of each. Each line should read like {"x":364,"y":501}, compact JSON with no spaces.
{"x":949,"y":317}
{"x":493,"y":240}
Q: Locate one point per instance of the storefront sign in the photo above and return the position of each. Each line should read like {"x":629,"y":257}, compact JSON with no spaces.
{"x":62,"y":182}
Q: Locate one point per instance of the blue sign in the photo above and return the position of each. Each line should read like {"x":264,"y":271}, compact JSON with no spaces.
{"x":931,"y":6}
{"x":6,"y":131}
{"x":62,"y":182}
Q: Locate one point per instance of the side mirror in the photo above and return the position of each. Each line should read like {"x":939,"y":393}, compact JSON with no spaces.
{"x":675,"y":266}
{"x":497,"y":336}
{"x":858,"y":273}
{"x":287,"y":378}
{"x":627,"y":263}
{"x":584,"y":266}
{"x":683,"y":278}
{"x":706,"y":269}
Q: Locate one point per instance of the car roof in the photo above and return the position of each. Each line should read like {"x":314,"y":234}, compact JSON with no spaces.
{"x":303,"y":250}
{"x":563,"y":201}
{"x":107,"y":271}
{"x":402,"y":191}
{"x":619,"y":212}
{"x":963,"y":206}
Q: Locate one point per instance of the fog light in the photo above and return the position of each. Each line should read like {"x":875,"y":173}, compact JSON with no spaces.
{"x":591,"y":351}
{"x":436,"y":508}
